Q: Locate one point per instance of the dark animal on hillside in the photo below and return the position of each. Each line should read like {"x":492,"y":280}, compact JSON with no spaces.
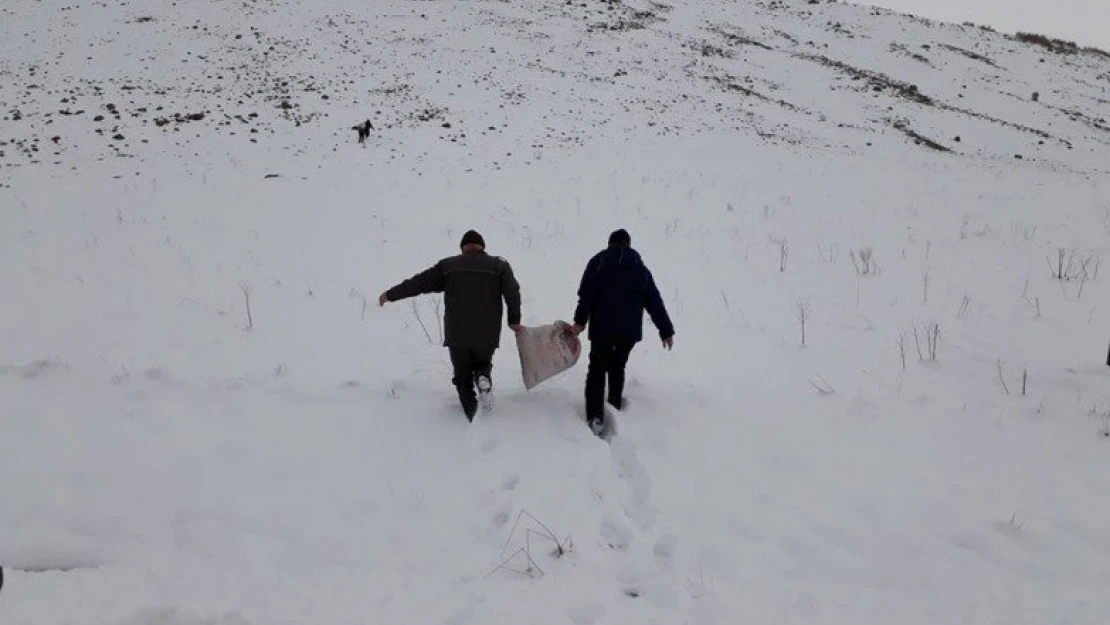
{"x":363,"y":130}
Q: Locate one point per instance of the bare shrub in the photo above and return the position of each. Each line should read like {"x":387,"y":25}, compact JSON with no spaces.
{"x":1002,"y":377}
{"x":119,"y":377}
{"x":437,"y":305}
{"x":784,"y":252}
{"x":864,"y":261}
{"x":1034,"y":302}
{"x":420,"y":320}
{"x":803,"y":308}
{"x":246,"y":289}
{"x":1013,"y":526}
{"x":932,"y":339}
{"x":829,"y":256}
{"x":1058,"y":46}
{"x":930,"y":332}
{"x":822,"y":385}
{"x":1071,"y":266}
{"x":965,"y":307}
{"x":530,"y":567}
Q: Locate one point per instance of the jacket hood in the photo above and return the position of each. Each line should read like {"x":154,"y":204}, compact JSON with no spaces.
{"x":621,"y":255}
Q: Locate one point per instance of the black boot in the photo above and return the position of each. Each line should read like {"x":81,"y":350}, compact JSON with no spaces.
{"x":462,"y":360}
{"x":485,"y":392}
{"x":597,"y":425}
{"x":469,"y":404}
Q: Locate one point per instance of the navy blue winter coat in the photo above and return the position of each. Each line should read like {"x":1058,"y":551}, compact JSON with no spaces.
{"x":615,"y":291}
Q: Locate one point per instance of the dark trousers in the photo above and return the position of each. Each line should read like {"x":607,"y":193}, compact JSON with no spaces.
{"x":469,"y":363}
{"x":607,"y":362}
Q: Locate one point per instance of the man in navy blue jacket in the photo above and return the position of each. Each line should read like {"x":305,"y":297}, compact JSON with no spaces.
{"x":615,"y":291}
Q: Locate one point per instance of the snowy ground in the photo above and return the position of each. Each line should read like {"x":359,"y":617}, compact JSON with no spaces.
{"x":165,"y":464}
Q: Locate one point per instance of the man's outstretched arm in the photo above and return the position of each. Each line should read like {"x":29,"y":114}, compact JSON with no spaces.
{"x":430,"y":280}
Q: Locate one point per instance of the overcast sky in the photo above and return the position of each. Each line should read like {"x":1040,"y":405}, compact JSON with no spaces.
{"x":1086,"y":22}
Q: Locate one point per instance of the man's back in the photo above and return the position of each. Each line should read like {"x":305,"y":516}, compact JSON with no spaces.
{"x":616,"y":289}
{"x":474,"y":284}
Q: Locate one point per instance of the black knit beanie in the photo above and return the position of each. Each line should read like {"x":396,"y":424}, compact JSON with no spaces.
{"x":472,"y":237}
{"x":620,"y":237}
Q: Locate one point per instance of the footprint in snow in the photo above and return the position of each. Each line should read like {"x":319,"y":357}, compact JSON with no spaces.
{"x":461,"y":617}
{"x":569,"y":429}
{"x":156,"y":374}
{"x":614,"y":535}
{"x":34,"y":370}
{"x":587,"y":614}
{"x":511,"y":481}
{"x":489,"y":444}
{"x":631,"y":470}
{"x":664,"y":550}
{"x":500,"y":519}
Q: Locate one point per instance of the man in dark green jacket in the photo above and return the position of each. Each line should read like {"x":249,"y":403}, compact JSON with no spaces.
{"x":473,"y":284}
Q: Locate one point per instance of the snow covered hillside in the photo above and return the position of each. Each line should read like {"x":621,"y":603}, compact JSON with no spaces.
{"x":206,"y":419}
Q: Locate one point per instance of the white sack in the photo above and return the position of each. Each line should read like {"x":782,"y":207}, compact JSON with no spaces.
{"x":546,"y":351}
